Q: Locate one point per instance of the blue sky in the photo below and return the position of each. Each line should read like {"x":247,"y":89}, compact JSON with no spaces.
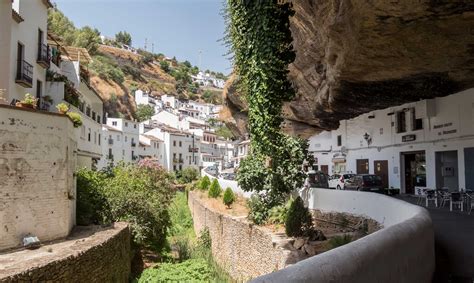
{"x":178,"y":28}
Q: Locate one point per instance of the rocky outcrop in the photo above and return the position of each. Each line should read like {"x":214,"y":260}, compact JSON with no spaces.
{"x":355,"y":56}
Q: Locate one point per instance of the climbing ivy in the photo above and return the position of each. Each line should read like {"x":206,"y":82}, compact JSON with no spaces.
{"x":260,"y":39}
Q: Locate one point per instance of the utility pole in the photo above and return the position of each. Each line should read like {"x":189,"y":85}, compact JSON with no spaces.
{"x":146,"y":41}
{"x":200,"y":59}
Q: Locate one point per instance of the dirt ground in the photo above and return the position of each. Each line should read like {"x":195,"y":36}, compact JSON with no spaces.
{"x":239,"y":207}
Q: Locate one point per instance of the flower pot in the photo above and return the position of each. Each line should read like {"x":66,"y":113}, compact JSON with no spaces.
{"x":25,"y":105}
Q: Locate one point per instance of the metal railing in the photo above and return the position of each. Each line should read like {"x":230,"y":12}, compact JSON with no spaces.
{"x":24,"y":73}
{"x":43,"y":55}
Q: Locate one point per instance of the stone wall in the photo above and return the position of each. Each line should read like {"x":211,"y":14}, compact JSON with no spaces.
{"x":101,"y":255}
{"x":244,"y":250}
{"x":37,"y":188}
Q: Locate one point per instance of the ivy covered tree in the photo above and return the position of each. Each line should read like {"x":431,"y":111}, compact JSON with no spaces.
{"x":260,"y":39}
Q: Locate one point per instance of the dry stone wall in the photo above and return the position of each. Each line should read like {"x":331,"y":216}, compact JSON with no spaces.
{"x":102,"y":256}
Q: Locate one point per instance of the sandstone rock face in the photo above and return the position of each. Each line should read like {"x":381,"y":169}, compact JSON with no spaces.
{"x":354,"y":56}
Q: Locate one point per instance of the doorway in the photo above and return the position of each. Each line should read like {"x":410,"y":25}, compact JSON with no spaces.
{"x":381,"y":170}
{"x":325,"y":169}
{"x":469,"y":167}
{"x":447,"y":170}
{"x":414,"y":170}
{"x":362,"y":166}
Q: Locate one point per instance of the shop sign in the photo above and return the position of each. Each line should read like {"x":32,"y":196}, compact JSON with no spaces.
{"x":408,"y":138}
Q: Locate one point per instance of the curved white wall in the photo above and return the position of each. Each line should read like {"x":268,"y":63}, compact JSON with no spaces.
{"x":402,"y":251}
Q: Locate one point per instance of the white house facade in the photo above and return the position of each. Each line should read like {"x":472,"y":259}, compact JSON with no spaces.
{"x":428,"y":144}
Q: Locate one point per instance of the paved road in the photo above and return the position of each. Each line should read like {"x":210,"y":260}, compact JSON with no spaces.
{"x":454,"y":243}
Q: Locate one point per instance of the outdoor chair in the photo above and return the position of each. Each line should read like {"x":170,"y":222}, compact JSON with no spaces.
{"x":470,"y":198}
{"x":421,"y":193}
{"x":445,"y":196}
{"x":430,"y":195}
{"x":456,"y":199}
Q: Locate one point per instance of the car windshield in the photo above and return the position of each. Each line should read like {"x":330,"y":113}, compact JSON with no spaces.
{"x":372,"y":179}
{"x":317,"y":180}
{"x":348,"y":176}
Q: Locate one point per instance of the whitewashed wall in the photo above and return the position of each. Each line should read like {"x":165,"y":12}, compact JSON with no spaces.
{"x":37,"y":187}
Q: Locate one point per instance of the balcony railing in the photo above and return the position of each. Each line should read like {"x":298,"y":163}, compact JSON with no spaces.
{"x":43,"y":55}
{"x":134,"y":157}
{"x":24,"y":74}
{"x":111,"y":141}
{"x":196,"y":149}
{"x":134,"y":144}
{"x":178,"y":160}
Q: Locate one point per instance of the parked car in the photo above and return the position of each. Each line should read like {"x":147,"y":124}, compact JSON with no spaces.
{"x":364,"y":182}
{"x":337,"y":181}
{"x":317,"y":179}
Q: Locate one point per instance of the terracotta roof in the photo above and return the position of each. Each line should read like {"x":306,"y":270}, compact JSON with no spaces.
{"x":17,"y":16}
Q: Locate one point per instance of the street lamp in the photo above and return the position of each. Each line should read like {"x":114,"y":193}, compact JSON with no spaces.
{"x":368,"y":139}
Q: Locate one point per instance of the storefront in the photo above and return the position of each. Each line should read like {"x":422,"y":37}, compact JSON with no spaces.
{"x":413,"y":166}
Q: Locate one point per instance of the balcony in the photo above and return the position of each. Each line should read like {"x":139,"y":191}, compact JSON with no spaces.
{"x":43,"y":55}
{"x":24,"y":74}
{"x":134,"y":144}
{"x":178,"y":160}
{"x":195,"y":149}
{"x":111,"y":141}
{"x":134,"y":157}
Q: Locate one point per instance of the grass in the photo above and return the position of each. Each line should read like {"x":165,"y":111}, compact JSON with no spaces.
{"x":339,"y":241}
{"x":193,"y":259}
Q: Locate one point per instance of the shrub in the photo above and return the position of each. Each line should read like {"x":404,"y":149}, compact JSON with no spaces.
{"x":141,"y":195}
{"x":229,"y":197}
{"x":204,"y":183}
{"x":192,"y":270}
{"x":258,"y":211}
{"x":187,"y":175}
{"x":298,"y":221}
{"x":62,"y":107}
{"x":278,"y":214}
{"x":338,"y":241}
{"x":91,"y":202}
{"x":215,"y":189}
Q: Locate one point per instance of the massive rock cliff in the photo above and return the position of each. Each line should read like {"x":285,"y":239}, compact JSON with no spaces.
{"x":354,"y":56}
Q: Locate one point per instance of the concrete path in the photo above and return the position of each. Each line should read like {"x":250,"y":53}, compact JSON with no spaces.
{"x":454,"y":243}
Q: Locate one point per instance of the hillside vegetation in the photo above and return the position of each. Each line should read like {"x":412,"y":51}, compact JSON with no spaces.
{"x":116,"y":73}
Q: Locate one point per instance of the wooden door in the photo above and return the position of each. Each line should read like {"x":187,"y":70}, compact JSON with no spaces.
{"x":362,"y":166}
{"x":325,"y":169}
{"x":381,"y":170}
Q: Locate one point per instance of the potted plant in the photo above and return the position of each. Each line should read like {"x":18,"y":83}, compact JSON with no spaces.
{"x":28,"y":102}
{"x":76,"y":119}
{"x":62,"y":108}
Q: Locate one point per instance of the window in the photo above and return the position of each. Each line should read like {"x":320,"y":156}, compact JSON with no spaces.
{"x":180,"y":144}
{"x":416,"y":124}
{"x":39,"y":90}
{"x":95,"y":137}
{"x":180,"y":167}
{"x":93,"y":115}
{"x":174,"y":167}
{"x":89,"y":135}
{"x":126,"y":124}
{"x":126,"y":139}
{"x":135,"y":126}
{"x":114,"y":123}
{"x":401,"y":122}
{"x":339,"y":140}
{"x":174,"y":143}
{"x":98,"y":119}
{"x":100,"y":138}
{"x":88,"y":111}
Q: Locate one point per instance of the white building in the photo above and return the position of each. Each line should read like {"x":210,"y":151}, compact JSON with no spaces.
{"x":171,"y":101}
{"x":121,"y":140}
{"x":24,"y":53}
{"x":151,"y":147}
{"x":242,"y":149}
{"x":206,"y":79}
{"x":144,"y":98}
{"x":181,"y":149}
{"x":429,"y":143}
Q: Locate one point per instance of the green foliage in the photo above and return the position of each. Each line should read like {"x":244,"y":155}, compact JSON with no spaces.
{"x":141,"y":196}
{"x":144,"y":112}
{"x":76,"y":118}
{"x":261,"y":41}
{"x":124,"y":37}
{"x":278,"y":214}
{"x":215,"y":189}
{"x":338,"y":241}
{"x":298,"y":220}
{"x":88,"y":38}
{"x":107,"y":69}
{"x":187,"y":175}
{"x":225,"y":132}
{"x":91,"y":202}
{"x":165,"y":66}
{"x":146,"y":58}
{"x":192,"y":270}
{"x":204,"y":183}
{"x":258,"y":210}
{"x":180,"y":216}
{"x":229,"y":197}
{"x":29,"y":99}
{"x":62,"y":107}
{"x":214,"y":97}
